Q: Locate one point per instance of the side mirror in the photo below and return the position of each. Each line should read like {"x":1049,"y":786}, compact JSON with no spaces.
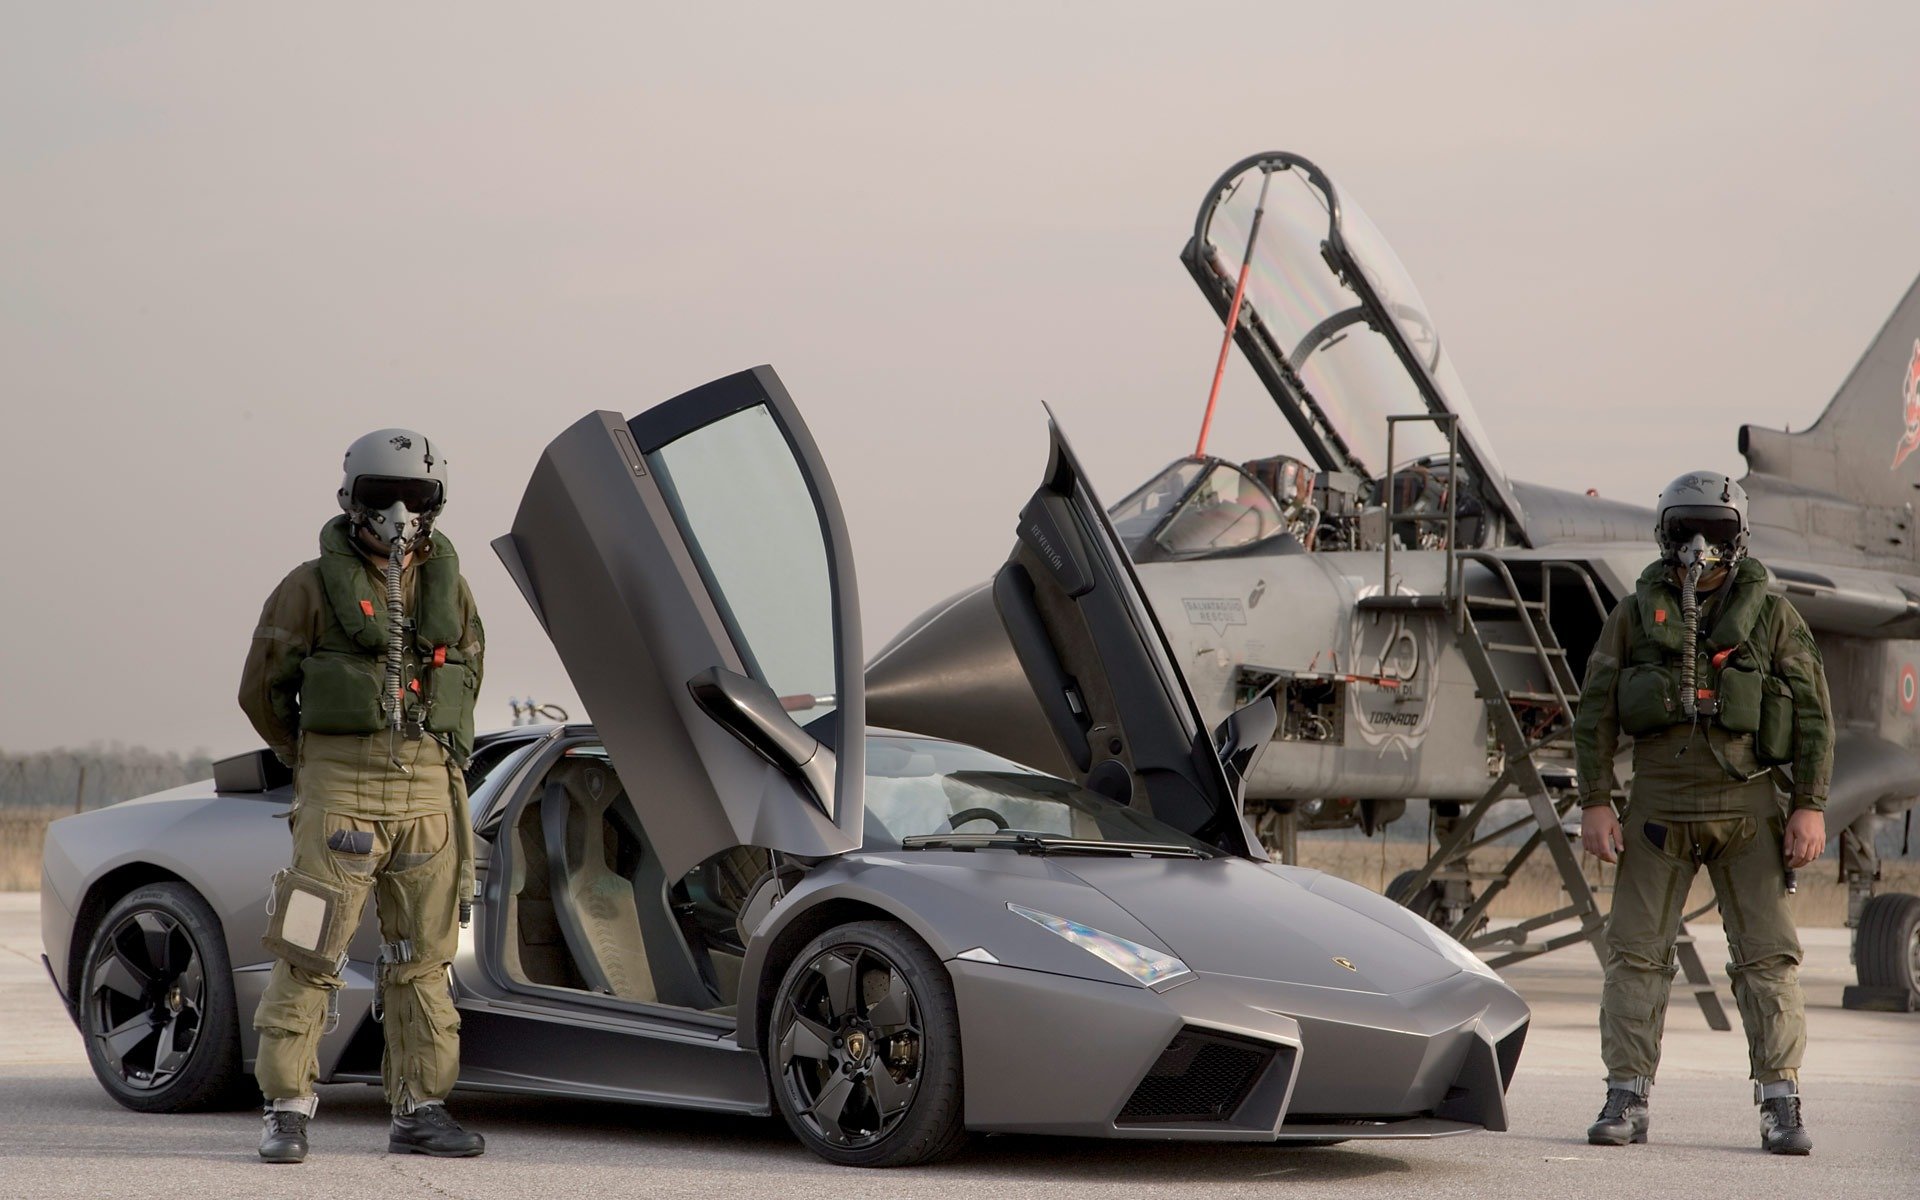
{"x":1243,"y":737}
{"x":750,"y":711}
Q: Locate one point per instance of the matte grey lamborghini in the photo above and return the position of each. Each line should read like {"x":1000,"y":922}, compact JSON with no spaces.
{"x":730,"y":894}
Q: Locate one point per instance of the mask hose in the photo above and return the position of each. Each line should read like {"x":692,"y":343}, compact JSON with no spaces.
{"x":396,"y":649}
{"x":1690,"y":628}
{"x":396,"y":639}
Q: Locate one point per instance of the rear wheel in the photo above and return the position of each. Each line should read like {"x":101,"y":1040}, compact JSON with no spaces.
{"x":1887,"y":946}
{"x":156,"y":1004}
{"x":864,"y":1049}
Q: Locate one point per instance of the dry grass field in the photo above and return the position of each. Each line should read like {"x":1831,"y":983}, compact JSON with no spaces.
{"x":22,"y":830}
{"x":1369,"y":862}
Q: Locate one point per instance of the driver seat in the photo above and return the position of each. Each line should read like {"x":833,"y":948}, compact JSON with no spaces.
{"x":594,"y":902}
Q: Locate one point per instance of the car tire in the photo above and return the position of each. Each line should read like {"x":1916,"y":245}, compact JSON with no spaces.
{"x":156,"y":1005}
{"x":863,"y":1049}
{"x":1887,"y":946}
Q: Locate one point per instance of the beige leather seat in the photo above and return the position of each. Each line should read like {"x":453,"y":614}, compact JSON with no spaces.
{"x":593,"y":900}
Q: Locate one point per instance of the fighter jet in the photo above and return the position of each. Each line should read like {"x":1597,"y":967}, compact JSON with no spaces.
{"x":1420,"y":616}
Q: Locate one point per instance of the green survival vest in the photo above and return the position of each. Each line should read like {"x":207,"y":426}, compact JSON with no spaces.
{"x":1733,"y":670}
{"x":343,"y":682}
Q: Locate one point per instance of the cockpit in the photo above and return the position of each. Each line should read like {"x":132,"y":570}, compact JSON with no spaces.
{"x":1210,"y":508}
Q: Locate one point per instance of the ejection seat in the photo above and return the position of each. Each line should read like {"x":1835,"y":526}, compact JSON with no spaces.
{"x":609,"y":893}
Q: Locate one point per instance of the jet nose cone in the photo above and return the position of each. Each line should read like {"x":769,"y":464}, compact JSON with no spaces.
{"x":951,"y":673}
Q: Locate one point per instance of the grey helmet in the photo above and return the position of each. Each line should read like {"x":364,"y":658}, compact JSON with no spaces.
{"x":1705,"y":513}
{"x":394,"y":484}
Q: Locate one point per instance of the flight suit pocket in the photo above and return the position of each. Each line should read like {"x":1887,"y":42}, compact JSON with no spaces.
{"x":340,"y":693}
{"x":1627,"y":1008}
{"x":1740,"y":700}
{"x":308,"y":923}
{"x":351,"y":844}
{"x":1646,"y":700}
{"x":1773,"y":742}
{"x":450,"y":690}
{"x":424,"y":840}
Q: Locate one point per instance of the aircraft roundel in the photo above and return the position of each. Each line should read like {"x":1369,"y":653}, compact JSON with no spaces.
{"x":1909,"y":687}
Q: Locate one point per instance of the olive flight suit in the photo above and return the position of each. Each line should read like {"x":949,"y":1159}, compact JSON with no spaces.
{"x":1701,"y":796}
{"x":375,"y":811}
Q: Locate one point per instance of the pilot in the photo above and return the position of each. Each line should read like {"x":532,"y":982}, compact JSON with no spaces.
{"x":362,"y":675}
{"x":1719,"y":685}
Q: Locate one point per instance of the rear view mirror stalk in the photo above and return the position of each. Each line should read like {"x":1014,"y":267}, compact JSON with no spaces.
{"x":749,"y":710}
{"x":1243,"y":737}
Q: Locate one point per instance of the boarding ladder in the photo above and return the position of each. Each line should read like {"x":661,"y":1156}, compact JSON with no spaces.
{"x":1531,"y":727}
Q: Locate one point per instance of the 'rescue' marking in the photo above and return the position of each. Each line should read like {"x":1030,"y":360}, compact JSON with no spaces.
{"x":1215,"y":612}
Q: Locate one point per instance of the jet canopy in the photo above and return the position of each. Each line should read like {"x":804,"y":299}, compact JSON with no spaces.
{"x":1332,"y":324}
{"x":1209,"y":508}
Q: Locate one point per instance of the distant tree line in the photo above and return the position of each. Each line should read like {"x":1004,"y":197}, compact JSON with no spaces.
{"x":94,"y":776}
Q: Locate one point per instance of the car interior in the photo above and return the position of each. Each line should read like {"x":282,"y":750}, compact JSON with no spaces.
{"x":590,"y":909}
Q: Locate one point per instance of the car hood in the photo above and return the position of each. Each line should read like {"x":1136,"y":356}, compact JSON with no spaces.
{"x":1229,"y":916}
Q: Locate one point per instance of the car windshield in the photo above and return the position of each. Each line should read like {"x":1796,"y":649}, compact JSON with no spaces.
{"x":919,"y":786}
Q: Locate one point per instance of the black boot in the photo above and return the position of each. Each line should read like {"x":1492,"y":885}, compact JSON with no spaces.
{"x":431,"y":1129}
{"x":285,"y":1137}
{"x":1624,"y":1118}
{"x":1780,"y":1129}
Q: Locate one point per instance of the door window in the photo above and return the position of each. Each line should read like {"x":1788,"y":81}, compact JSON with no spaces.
{"x":750,"y":521}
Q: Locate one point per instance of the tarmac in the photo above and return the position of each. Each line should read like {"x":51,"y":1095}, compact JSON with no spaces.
{"x":60,"y":1136}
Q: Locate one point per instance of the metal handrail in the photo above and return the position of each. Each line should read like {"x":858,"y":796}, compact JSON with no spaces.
{"x":1458,"y":587}
{"x":1451,"y":423}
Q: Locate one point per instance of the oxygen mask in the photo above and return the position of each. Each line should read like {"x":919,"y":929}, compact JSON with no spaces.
{"x":393,"y":512}
{"x":1703,"y":541}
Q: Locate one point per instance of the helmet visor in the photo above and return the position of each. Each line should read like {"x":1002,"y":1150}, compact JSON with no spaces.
{"x":1719,"y":526}
{"x":377,"y":493}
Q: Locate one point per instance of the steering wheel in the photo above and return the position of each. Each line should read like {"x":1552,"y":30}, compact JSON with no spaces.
{"x":976,"y":814}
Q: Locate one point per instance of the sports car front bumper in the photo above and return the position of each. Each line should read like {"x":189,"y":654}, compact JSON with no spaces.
{"x":1233,"y":1059}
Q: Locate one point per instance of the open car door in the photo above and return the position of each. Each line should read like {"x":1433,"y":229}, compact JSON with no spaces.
{"x":691,"y":567}
{"x":1101,"y":667}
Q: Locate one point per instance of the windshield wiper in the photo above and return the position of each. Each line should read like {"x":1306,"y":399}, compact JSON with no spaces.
{"x":1035,"y":843}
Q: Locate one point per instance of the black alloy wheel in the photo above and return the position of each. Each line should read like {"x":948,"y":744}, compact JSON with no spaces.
{"x":864,"y":1048}
{"x":156,"y":1004}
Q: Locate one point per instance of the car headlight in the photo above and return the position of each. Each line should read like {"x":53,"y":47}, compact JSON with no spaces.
{"x":1454,"y":952}
{"x":1143,"y":964}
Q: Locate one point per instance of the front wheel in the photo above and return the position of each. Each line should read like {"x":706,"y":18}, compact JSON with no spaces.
{"x":1425,"y":903}
{"x":156,"y":1004}
{"x":864,"y":1049}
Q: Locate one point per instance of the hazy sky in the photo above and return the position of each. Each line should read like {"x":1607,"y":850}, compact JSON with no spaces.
{"x":234,"y":237}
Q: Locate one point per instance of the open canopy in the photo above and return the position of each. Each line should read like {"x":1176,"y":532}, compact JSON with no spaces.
{"x":1332,"y":323}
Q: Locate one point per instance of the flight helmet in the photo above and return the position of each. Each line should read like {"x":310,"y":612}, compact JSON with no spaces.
{"x":393,"y":485}
{"x":1707,"y":506}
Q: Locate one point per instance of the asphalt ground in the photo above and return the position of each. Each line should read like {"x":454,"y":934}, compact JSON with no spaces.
{"x":60,"y":1136}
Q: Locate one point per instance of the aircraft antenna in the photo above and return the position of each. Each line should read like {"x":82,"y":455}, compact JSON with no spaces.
{"x":1233,"y":313}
